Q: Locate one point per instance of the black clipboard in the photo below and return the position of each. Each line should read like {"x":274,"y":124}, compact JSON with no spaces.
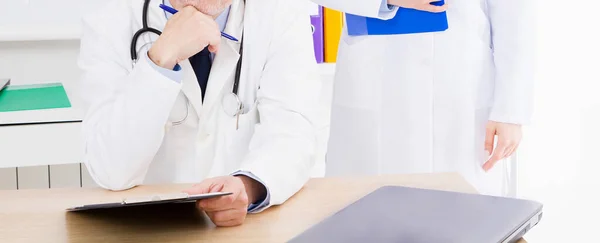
{"x":149,"y":200}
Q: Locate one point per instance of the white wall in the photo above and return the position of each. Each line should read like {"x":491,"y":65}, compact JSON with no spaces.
{"x":558,"y":161}
{"x":39,"y":38}
{"x":43,"y":19}
{"x":39,"y":61}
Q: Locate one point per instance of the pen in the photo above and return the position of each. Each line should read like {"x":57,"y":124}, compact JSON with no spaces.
{"x":174,"y":11}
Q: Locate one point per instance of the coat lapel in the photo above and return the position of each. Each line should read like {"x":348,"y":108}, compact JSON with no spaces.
{"x":190,"y":87}
{"x":225,"y":62}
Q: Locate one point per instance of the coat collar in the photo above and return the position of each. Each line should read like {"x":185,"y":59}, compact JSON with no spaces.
{"x":226,"y":59}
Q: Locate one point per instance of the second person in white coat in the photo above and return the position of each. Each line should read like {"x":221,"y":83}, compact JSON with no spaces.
{"x":434,"y":102}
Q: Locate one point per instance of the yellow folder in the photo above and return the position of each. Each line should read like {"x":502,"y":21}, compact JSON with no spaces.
{"x":332,"y":21}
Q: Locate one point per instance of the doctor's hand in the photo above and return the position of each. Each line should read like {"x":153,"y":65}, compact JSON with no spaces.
{"x":509,"y":137}
{"x":185,"y":34}
{"x":424,"y":5}
{"x":228,"y":210}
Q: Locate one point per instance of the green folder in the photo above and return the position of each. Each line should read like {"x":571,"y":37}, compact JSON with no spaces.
{"x":33,"y":97}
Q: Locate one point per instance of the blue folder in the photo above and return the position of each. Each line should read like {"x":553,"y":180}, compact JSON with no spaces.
{"x":406,"y":21}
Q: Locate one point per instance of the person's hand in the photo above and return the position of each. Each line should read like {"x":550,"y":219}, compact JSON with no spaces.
{"x":424,"y":5}
{"x":185,"y":34}
{"x":509,"y":137}
{"x":228,"y":210}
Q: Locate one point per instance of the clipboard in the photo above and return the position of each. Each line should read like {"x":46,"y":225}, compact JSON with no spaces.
{"x":149,"y":200}
{"x":406,"y":21}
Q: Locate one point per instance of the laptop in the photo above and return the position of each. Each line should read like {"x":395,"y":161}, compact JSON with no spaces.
{"x":411,"y":215}
{"x":4,"y":83}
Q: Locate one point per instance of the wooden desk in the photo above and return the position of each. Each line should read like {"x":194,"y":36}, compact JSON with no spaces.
{"x":40,"y":216}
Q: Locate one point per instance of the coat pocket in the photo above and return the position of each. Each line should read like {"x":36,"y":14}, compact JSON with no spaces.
{"x":239,"y":134}
{"x":181,"y":111}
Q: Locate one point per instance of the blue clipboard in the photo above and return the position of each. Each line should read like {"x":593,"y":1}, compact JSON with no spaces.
{"x":406,"y":21}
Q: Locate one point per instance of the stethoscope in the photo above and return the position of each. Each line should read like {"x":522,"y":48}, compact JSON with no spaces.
{"x":231,"y":102}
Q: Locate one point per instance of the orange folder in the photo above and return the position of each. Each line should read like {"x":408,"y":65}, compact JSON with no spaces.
{"x":332,"y":22}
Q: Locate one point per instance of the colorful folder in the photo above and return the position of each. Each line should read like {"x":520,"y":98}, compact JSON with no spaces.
{"x":406,"y":21}
{"x":333,"y":21}
{"x":316,"y":19}
{"x":33,"y":97}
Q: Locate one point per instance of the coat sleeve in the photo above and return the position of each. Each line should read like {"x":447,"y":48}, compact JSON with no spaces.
{"x":512,"y":24}
{"x":126,"y":107}
{"x":367,"y":8}
{"x":282,"y":149}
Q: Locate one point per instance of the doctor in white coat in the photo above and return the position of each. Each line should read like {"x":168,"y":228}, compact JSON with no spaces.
{"x":149,"y":121}
{"x":434,"y":102}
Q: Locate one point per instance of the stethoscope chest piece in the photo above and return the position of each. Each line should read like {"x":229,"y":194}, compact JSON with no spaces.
{"x":232,"y":105}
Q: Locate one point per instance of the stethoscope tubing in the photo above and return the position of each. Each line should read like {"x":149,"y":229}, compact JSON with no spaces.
{"x":134,"y":56}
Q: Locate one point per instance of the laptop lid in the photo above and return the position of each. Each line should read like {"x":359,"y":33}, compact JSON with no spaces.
{"x":4,"y":83}
{"x":401,"y":214}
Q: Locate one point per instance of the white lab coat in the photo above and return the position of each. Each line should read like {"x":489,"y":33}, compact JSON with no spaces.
{"x":130,"y":128}
{"x":419,"y":103}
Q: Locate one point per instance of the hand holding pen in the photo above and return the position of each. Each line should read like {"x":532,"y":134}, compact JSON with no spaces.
{"x":184,"y":35}
{"x":174,"y":11}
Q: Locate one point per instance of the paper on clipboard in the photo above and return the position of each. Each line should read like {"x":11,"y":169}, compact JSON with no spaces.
{"x":148,"y":200}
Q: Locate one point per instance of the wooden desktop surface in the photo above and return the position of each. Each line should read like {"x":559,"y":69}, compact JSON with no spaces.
{"x":40,"y":216}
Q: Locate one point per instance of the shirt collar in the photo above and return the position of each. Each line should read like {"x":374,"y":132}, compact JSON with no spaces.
{"x":221,"y":19}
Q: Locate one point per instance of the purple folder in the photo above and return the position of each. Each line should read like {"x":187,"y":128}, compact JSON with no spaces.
{"x":317,"y":28}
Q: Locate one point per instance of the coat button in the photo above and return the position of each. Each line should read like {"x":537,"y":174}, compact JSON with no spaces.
{"x":203,"y":135}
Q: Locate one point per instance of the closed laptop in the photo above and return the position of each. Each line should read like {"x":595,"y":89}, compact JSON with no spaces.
{"x":402,"y":214}
{"x":4,"y":83}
